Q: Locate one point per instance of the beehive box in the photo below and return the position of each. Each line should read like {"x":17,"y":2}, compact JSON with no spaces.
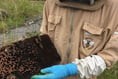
{"x":22,"y":59}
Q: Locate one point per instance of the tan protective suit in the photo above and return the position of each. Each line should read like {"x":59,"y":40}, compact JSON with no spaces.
{"x":69,"y":24}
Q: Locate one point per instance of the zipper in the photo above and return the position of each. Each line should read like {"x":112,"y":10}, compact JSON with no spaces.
{"x":70,"y":39}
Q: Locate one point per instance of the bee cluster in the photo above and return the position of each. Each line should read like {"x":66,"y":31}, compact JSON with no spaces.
{"x":26,"y":57}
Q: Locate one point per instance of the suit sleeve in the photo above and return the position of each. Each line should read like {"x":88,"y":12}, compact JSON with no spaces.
{"x":110,"y":52}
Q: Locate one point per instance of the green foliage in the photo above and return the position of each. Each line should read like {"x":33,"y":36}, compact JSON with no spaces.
{"x":110,"y":73}
{"x":19,"y":11}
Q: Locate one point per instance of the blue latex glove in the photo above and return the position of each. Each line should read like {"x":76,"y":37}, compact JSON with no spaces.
{"x":58,"y":72}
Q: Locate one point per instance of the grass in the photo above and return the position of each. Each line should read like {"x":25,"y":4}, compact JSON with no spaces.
{"x":110,"y":73}
{"x":18,"y":12}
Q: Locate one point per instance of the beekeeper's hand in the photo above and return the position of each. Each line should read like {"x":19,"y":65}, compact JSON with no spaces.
{"x":58,"y":72}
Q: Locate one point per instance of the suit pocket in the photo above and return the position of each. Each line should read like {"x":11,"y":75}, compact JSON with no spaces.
{"x":53,"y":22}
{"x":91,"y":37}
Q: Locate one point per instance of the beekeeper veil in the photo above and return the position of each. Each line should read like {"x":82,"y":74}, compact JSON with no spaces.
{"x":89,"y":5}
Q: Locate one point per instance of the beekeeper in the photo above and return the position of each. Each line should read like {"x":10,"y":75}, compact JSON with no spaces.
{"x":85,"y":33}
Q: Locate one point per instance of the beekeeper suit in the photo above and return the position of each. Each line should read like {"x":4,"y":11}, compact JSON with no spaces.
{"x":85,"y":33}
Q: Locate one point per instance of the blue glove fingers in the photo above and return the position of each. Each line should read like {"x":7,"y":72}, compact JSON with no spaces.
{"x":38,"y":77}
{"x":35,"y":77}
{"x":58,"y":72}
{"x":46,"y":70}
{"x":50,"y":76}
